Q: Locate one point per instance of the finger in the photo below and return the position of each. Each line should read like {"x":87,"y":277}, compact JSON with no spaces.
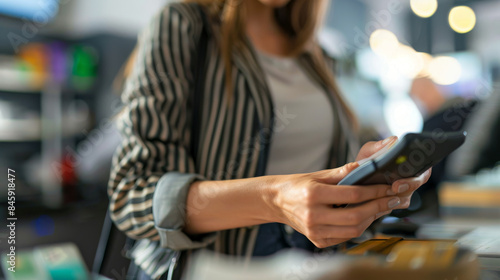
{"x":370,"y":149}
{"x":336,"y":232}
{"x":327,"y":242}
{"x":405,"y":202}
{"x":384,"y":213}
{"x":333,"y":176}
{"x":352,"y":216}
{"x":409,"y":185}
{"x":331,"y":194}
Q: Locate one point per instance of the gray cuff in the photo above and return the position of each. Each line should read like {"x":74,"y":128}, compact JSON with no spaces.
{"x":169,"y":212}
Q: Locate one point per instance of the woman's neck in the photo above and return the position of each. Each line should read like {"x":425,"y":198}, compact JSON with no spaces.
{"x":263,"y":29}
{"x":259,"y":15}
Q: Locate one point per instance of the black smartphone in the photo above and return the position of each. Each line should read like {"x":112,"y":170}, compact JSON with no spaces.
{"x":411,"y":156}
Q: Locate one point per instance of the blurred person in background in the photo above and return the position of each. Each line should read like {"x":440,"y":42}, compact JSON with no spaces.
{"x":438,"y":110}
{"x":232,"y":120}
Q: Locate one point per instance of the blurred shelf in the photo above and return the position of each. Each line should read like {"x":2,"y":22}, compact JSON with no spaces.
{"x":14,"y":78}
{"x":15,"y":89}
{"x":17,"y":130}
{"x":38,"y":92}
{"x":20,"y":130}
{"x":17,"y":76}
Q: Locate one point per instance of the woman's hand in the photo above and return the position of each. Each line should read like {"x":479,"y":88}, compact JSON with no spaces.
{"x":404,"y":188}
{"x":305,"y":202}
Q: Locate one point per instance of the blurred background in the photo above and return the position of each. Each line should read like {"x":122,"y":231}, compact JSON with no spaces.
{"x":404,"y":66}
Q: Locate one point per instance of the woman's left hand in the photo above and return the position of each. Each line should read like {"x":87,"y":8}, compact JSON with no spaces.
{"x":403,"y":188}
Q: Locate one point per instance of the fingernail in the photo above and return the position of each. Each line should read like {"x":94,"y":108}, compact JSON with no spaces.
{"x":403,"y":187}
{"x":388,"y":139}
{"x":394,"y":202}
{"x":390,"y":192}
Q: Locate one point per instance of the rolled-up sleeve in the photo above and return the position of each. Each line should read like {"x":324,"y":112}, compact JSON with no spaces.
{"x":152,"y":169}
{"x":169,"y":212}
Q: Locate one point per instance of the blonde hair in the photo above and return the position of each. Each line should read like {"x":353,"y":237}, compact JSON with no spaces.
{"x":300,"y":19}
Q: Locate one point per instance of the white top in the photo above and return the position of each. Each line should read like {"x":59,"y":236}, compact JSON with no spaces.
{"x":303,"y":127}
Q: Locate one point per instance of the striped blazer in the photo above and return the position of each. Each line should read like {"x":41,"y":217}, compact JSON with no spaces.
{"x":154,"y":162}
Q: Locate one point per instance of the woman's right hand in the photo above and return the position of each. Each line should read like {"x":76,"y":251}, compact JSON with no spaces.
{"x":305,"y":202}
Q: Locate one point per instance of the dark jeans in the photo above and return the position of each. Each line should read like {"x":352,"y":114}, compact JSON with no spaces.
{"x":273,"y":237}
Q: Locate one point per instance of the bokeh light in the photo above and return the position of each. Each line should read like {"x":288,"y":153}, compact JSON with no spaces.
{"x":424,"y":8}
{"x":403,"y":58}
{"x":383,"y":42}
{"x":445,"y":70}
{"x":462,"y":19}
{"x":407,"y":61}
{"x":424,"y":60}
{"x":370,"y":65}
{"x":402,"y":115}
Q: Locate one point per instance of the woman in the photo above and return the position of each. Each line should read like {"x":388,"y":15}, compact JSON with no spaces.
{"x":190,"y":139}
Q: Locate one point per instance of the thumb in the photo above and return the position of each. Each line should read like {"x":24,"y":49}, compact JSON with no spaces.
{"x":383,"y":143}
{"x":333,"y":176}
{"x":373,"y":149}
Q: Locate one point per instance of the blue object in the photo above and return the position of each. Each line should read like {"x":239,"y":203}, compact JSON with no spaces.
{"x":43,"y":225}
{"x":41,"y":11}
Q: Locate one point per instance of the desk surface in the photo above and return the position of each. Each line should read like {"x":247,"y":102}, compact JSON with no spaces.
{"x":482,"y":235}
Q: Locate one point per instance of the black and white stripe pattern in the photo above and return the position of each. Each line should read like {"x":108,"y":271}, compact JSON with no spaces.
{"x":156,"y":125}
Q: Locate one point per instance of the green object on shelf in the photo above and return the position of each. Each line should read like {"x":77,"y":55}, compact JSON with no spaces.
{"x":84,"y":67}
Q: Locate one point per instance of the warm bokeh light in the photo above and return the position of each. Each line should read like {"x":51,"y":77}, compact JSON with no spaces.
{"x":407,"y":61}
{"x":383,"y":42}
{"x":445,"y":70}
{"x":424,"y":61}
{"x":424,"y":8}
{"x":403,"y":58}
{"x":462,"y":19}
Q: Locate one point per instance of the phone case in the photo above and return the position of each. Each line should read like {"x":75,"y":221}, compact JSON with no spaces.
{"x":410,"y":157}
